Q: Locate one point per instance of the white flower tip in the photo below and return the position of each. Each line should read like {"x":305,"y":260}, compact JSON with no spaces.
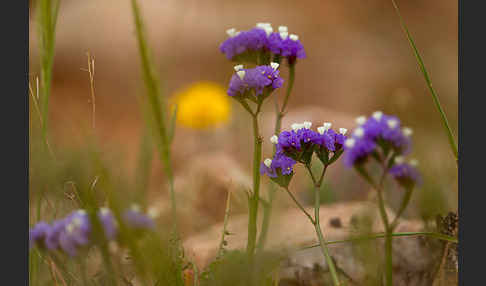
{"x":377,"y":115}
{"x":327,"y":125}
{"x":76,"y":222}
{"x":104,"y":211}
{"x":82,"y":212}
{"x":263,"y":25}
{"x":414,"y":162}
{"x":343,"y":131}
{"x":399,"y":160}
{"x":283,"y":29}
{"x":268,"y":30}
{"x":274,"y":65}
{"x":307,"y":124}
{"x":407,"y":131}
{"x":349,"y":143}
{"x":153,"y":212}
{"x":70,"y":228}
{"x":231,"y":32}
{"x":135,"y":207}
{"x":392,"y":123}
{"x":297,"y":126}
{"x":284,"y":35}
{"x":359,"y":132}
{"x":238,"y":67}
{"x":241,"y":74}
{"x":274,"y":139}
{"x":294,"y":37}
{"x":268,"y":162}
{"x":360,"y":120}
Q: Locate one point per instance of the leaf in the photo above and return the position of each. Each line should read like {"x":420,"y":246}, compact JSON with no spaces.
{"x":172,"y":124}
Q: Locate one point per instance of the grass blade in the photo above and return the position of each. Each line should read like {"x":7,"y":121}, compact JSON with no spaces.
{"x":435,"y":97}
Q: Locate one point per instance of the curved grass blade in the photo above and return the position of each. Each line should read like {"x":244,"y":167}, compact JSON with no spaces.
{"x":435,"y":97}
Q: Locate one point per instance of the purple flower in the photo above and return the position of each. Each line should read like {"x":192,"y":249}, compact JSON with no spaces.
{"x":257,"y":79}
{"x":325,"y":140}
{"x":292,"y":49}
{"x":38,"y":234}
{"x":261,"y":40}
{"x":279,"y":165}
{"x":253,"y":40}
{"x":53,"y":234}
{"x":356,"y":151}
{"x":136,"y":220}
{"x":76,"y":232}
{"x":405,"y":173}
{"x":385,"y":129}
{"x":108,"y":222}
{"x":378,"y":130}
{"x":298,"y":144}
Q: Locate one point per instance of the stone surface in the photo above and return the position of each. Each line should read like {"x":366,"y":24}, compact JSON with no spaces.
{"x":414,"y":257}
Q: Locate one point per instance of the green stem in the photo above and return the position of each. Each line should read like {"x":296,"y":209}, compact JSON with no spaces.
{"x":254,"y":199}
{"x":158,"y":107}
{"x":317,"y":225}
{"x":397,"y":234}
{"x":82,"y":266}
{"x":289,"y":87}
{"x":435,"y":97}
{"x":388,"y":258}
{"x":225,"y":226}
{"x":403,"y":206}
{"x":280,"y":113}
{"x":108,"y":264}
{"x":300,"y":206}
{"x":48,"y":11}
{"x":388,"y":231}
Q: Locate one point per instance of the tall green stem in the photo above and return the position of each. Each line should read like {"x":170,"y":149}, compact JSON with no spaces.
{"x":254,"y":199}
{"x":47,"y":16}
{"x":158,"y":107}
{"x":435,"y":97}
{"x":280,"y":113}
{"x":317,"y":225}
{"x":388,"y":230}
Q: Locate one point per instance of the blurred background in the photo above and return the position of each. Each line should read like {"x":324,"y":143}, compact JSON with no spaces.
{"x":358,"y":61}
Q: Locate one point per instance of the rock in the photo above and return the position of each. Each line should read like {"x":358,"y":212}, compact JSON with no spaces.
{"x":291,"y":231}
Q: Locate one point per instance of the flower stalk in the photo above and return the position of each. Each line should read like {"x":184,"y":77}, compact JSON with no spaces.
{"x":280,"y":113}
{"x":255,"y":196}
{"x":158,"y":107}
{"x":317,"y":225}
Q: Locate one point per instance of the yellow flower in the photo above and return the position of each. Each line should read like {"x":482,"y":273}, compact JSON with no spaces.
{"x":202,"y":105}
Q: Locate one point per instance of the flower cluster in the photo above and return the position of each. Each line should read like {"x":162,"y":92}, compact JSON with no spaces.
{"x":299,"y":144}
{"x":406,"y":174}
{"x":256,"y":80}
{"x":74,"y":232}
{"x":379,"y":136}
{"x":379,"y":130}
{"x":261,"y":41}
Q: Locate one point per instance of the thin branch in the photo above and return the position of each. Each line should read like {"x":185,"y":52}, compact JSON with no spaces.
{"x":300,"y":206}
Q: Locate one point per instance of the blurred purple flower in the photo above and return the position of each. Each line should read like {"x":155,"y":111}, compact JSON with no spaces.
{"x":108,"y":222}
{"x":76,"y":232}
{"x":406,"y":174}
{"x":53,"y":233}
{"x":378,"y":130}
{"x":135,"y":219}
{"x":38,"y":234}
